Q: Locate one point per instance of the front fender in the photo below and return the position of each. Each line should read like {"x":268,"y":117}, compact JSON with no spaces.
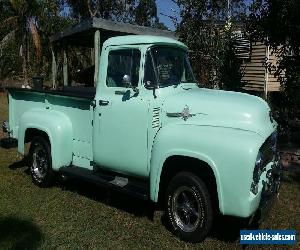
{"x":57,"y":126}
{"x":230,"y":153}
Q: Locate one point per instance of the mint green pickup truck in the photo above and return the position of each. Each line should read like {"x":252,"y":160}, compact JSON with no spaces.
{"x":146,"y":128}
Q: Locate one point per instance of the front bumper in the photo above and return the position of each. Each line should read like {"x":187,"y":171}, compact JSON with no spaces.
{"x":270,"y":189}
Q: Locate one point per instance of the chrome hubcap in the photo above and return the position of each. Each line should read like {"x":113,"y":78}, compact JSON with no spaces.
{"x":39,"y":162}
{"x":186,"y":209}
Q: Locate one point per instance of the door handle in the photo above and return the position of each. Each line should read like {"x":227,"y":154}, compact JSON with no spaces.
{"x":103,"y":103}
{"x":120,"y":92}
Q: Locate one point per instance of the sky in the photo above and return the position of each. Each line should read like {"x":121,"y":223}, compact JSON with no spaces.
{"x":167,"y":7}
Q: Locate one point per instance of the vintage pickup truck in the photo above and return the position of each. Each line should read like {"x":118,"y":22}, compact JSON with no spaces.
{"x":147,"y":129}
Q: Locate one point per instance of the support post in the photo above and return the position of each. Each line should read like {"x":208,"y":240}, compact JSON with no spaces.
{"x":97,"y":56}
{"x":267,"y":72}
{"x":54,"y":69}
{"x":65,"y":67}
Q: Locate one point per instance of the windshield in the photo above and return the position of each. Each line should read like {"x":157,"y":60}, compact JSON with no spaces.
{"x":167,"y":66}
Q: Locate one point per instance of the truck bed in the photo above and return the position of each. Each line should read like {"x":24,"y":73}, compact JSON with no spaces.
{"x":71,"y":102}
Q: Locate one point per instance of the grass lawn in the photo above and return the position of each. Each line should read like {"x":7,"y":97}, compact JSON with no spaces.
{"x":75,"y":214}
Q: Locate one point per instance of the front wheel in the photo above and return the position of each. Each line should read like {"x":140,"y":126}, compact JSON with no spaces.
{"x":188,"y":207}
{"x":41,"y":162}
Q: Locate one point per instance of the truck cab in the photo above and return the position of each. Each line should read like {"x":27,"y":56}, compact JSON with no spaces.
{"x":129,"y":98}
{"x":144,"y":126}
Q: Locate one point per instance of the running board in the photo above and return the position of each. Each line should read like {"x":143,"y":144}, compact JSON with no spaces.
{"x":136,"y":188}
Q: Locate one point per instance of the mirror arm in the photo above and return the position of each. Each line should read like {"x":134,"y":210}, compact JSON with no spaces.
{"x":135,"y":89}
{"x":154,"y":93}
{"x":153,"y":88}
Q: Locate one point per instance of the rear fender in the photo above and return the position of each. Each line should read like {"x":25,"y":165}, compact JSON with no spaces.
{"x":57,"y":126}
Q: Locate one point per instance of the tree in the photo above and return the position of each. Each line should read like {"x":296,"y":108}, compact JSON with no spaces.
{"x":161,"y":26}
{"x":22,"y":25}
{"x":203,"y":29}
{"x":146,"y":13}
{"x":141,"y":12}
{"x":51,"y":20}
{"x":49,"y":17}
{"x":277,"y":23}
{"x":27,"y":25}
{"x":115,"y":9}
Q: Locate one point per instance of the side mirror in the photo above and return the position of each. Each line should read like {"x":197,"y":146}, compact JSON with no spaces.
{"x":127,"y":80}
{"x":128,"y":84}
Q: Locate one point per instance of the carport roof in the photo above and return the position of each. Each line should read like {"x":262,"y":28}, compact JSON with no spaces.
{"x":82,"y":34}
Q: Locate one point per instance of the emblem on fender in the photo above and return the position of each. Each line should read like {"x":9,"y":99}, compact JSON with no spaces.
{"x":184,"y":114}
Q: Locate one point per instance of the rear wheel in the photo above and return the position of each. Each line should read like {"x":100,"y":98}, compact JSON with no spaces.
{"x":188,"y":207}
{"x":41,"y":162}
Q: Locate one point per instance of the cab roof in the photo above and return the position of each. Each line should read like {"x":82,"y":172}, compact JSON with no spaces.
{"x":143,"y":39}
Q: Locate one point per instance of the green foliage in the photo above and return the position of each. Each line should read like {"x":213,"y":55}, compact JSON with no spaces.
{"x":203,"y":28}
{"x":141,"y":12}
{"x":114,"y":10}
{"x":26,"y":27}
{"x":78,"y":9}
{"x":277,"y":23}
{"x":146,"y":13}
{"x":23,"y":29}
{"x":161,"y":26}
{"x":11,"y":62}
{"x":230,"y":67}
{"x":18,"y":58}
{"x":9,"y":55}
{"x":50,"y":22}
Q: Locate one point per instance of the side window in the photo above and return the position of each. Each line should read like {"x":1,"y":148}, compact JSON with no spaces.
{"x":123,"y":64}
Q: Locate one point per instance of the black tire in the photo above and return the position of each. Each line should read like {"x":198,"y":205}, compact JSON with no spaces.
{"x":40,"y":162}
{"x":188,"y":207}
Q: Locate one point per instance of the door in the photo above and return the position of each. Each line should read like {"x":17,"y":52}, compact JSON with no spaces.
{"x":121,"y":115}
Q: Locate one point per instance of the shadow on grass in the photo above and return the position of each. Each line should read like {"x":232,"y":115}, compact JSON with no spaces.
{"x":101,"y":194}
{"x":19,"y":234}
{"x":19,"y":164}
{"x":109,"y":197}
{"x":225,"y":228}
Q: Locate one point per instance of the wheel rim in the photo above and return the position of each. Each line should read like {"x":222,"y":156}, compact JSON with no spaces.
{"x":186,"y":209}
{"x":39,"y":162}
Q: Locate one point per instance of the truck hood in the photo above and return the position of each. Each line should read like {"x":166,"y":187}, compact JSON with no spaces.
{"x":205,"y":107}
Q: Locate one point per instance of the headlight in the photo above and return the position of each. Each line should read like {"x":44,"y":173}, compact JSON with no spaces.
{"x":258,"y":169}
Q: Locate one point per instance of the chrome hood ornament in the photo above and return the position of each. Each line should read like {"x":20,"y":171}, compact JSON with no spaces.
{"x":184,"y":114}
